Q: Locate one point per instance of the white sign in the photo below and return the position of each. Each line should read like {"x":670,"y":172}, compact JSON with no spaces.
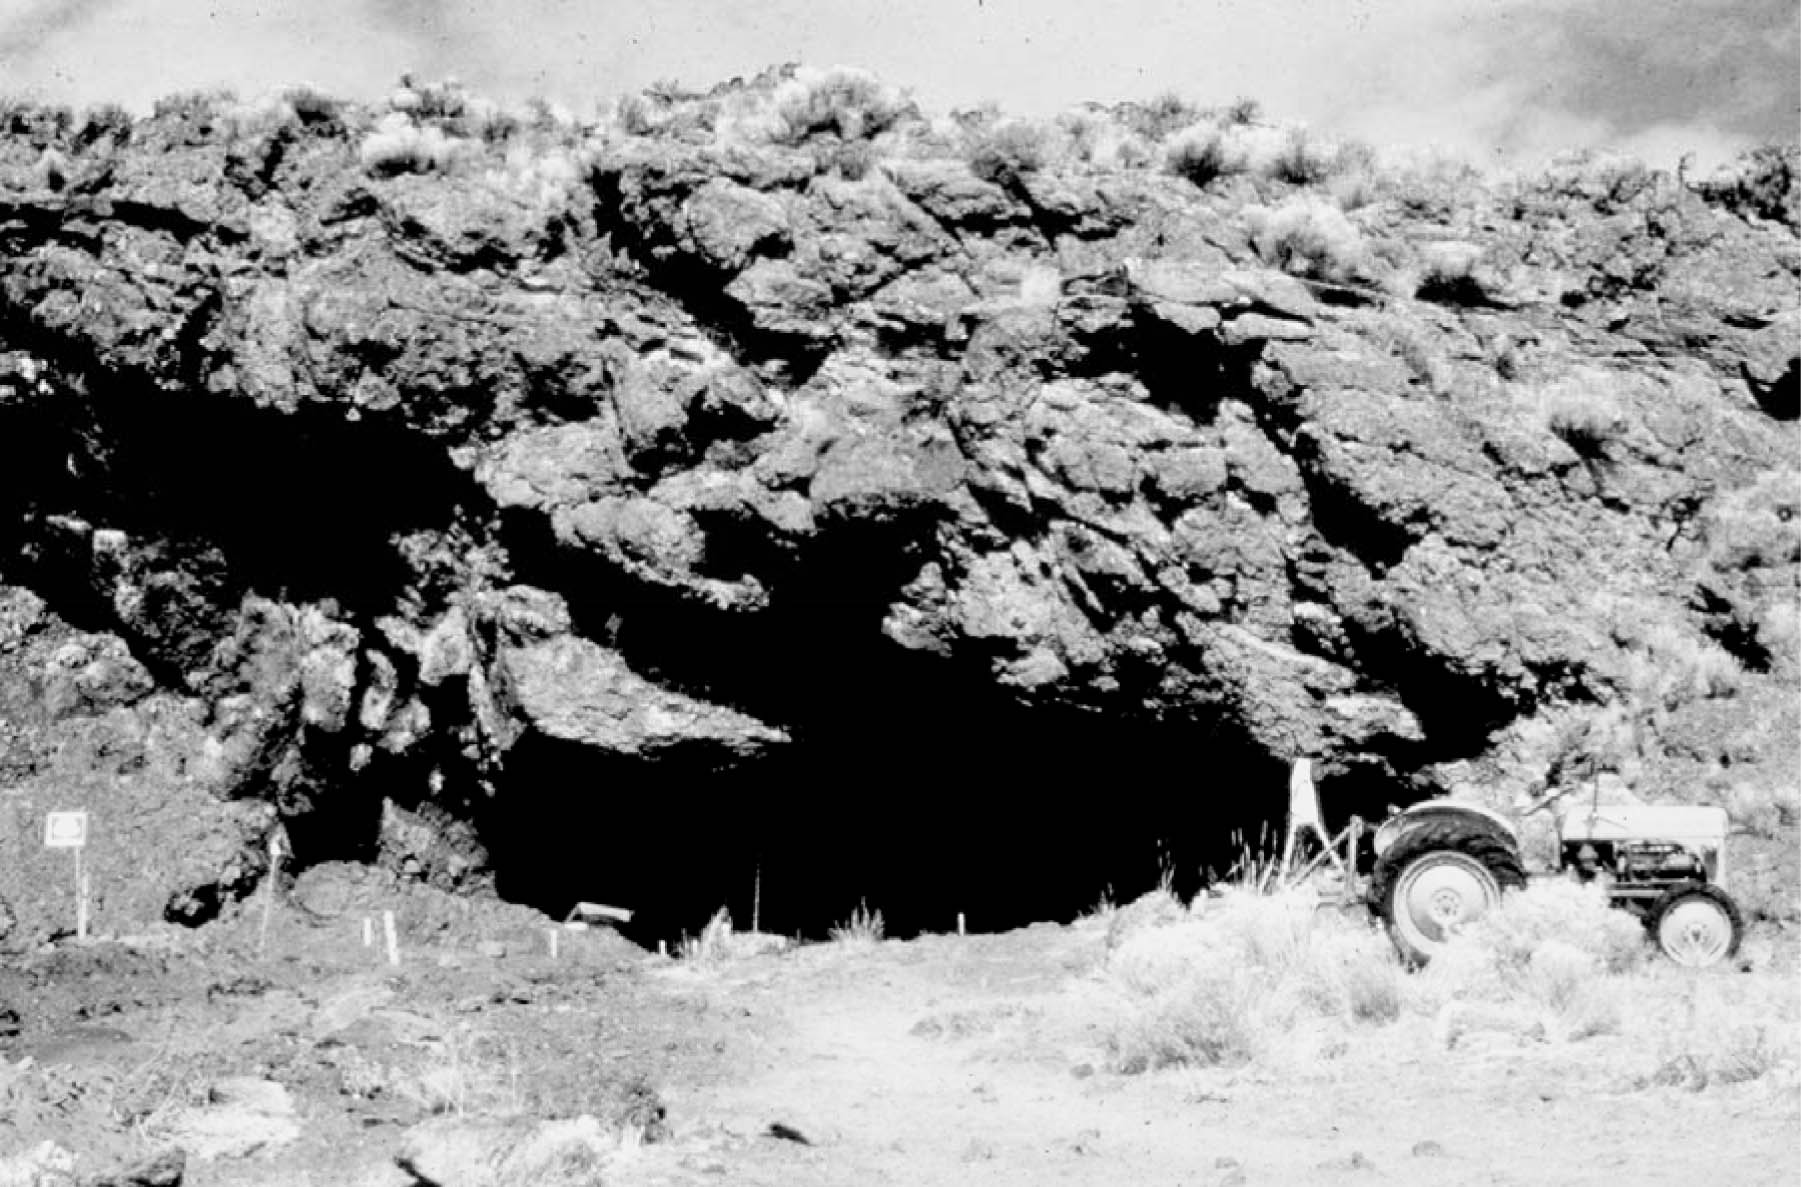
{"x":66,"y":830}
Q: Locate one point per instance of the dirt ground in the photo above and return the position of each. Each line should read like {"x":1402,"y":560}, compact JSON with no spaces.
{"x":298,"y":1055}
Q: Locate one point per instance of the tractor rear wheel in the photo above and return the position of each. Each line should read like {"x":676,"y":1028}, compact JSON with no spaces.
{"x":1438,"y":876}
{"x":1696,"y":926}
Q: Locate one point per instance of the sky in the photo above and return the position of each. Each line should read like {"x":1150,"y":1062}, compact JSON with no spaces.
{"x":1507,"y":81}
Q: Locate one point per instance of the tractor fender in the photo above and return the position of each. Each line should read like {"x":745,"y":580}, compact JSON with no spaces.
{"x":1404,"y":821}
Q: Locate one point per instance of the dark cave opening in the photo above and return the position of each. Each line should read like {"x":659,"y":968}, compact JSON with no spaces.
{"x":302,"y":505}
{"x":1782,"y":398}
{"x":912,"y":783}
{"x":920,"y":798}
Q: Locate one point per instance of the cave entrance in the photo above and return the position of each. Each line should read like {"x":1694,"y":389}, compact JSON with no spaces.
{"x":922,"y":807}
{"x":912,"y":783}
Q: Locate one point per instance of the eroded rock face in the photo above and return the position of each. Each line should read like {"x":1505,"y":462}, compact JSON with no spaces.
{"x":323,"y":487}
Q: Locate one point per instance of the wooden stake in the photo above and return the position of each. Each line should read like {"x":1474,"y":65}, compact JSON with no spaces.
{"x":262,"y":937}
{"x":552,"y":933}
{"x":959,"y":923}
{"x":387,"y":927}
{"x":756,"y":903}
{"x":368,"y":932}
{"x":81,"y":898}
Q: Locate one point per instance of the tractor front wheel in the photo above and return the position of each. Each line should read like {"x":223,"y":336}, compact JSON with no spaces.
{"x":1696,"y":926}
{"x":1438,"y":876}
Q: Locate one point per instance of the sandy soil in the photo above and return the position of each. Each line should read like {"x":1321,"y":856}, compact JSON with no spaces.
{"x":944,"y":1060}
{"x":973,"y":1061}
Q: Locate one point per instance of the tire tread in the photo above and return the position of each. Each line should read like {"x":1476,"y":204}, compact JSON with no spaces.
{"x":1479,"y":839}
{"x":1707,"y":890}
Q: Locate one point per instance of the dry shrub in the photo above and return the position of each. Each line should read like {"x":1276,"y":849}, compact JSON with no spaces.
{"x":542,"y":175}
{"x":850,"y":159}
{"x":1586,"y":421}
{"x":1415,"y":345}
{"x":1356,"y":178}
{"x":1765,"y":182}
{"x":1090,"y":137}
{"x":1575,"y":915}
{"x":1768,"y":810}
{"x":639,"y":115}
{"x":572,"y":1152}
{"x":1449,"y":273}
{"x":719,"y":941}
{"x":1554,"y":952}
{"x":1363,"y":977}
{"x":1607,"y":180}
{"x":1210,"y":149}
{"x":468,"y":1072}
{"x":1223,"y":146}
{"x":842,"y":102}
{"x":1202,"y":154}
{"x":1583,"y":412}
{"x":1310,"y":237}
{"x":108,"y":121}
{"x":1758,"y":525}
{"x":313,"y":107}
{"x":1663,"y":662}
{"x":194,"y":107}
{"x":1222,"y":984}
{"x":1753,"y":541}
{"x":398,"y":145}
{"x":666,"y":110}
{"x":1155,"y":909}
{"x":1304,"y":159}
{"x":1749,"y":1052}
{"x":1429,"y":184}
{"x":1566,"y":983}
{"x":1158,"y":118}
{"x":1211,"y":1019}
{"x":1715,"y":1044}
{"x":1243,"y":110}
{"x":1004,"y":151}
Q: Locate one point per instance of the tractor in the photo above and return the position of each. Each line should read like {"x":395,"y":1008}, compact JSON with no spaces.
{"x":1430,"y":868}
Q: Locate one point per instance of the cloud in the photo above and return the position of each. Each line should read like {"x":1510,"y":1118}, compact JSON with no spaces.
{"x":441,"y":42}
{"x":1730,"y":65}
{"x":1516,"y":81}
{"x":26,"y":28}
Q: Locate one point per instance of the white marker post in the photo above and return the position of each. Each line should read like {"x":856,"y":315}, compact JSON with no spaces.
{"x":393,"y":938}
{"x":69,"y":830}
{"x":275,"y":852}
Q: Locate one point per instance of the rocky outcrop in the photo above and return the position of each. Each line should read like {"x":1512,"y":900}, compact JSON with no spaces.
{"x":328,"y":477}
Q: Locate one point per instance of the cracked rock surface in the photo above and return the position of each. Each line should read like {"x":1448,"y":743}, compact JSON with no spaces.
{"x":324,"y":489}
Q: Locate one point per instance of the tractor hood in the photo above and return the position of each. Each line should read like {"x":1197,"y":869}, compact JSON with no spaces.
{"x":1695,"y":825}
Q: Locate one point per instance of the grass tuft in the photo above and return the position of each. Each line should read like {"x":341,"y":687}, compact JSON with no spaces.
{"x":863,"y":927}
{"x":712,"y":945}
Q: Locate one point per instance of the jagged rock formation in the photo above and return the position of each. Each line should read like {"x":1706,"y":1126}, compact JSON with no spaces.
{"x":336,"y":474}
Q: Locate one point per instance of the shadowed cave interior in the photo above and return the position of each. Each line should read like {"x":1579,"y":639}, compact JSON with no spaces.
{"x":912,"y":784}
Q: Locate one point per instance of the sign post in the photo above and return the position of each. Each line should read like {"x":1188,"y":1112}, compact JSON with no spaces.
{"x":69,"y":830}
